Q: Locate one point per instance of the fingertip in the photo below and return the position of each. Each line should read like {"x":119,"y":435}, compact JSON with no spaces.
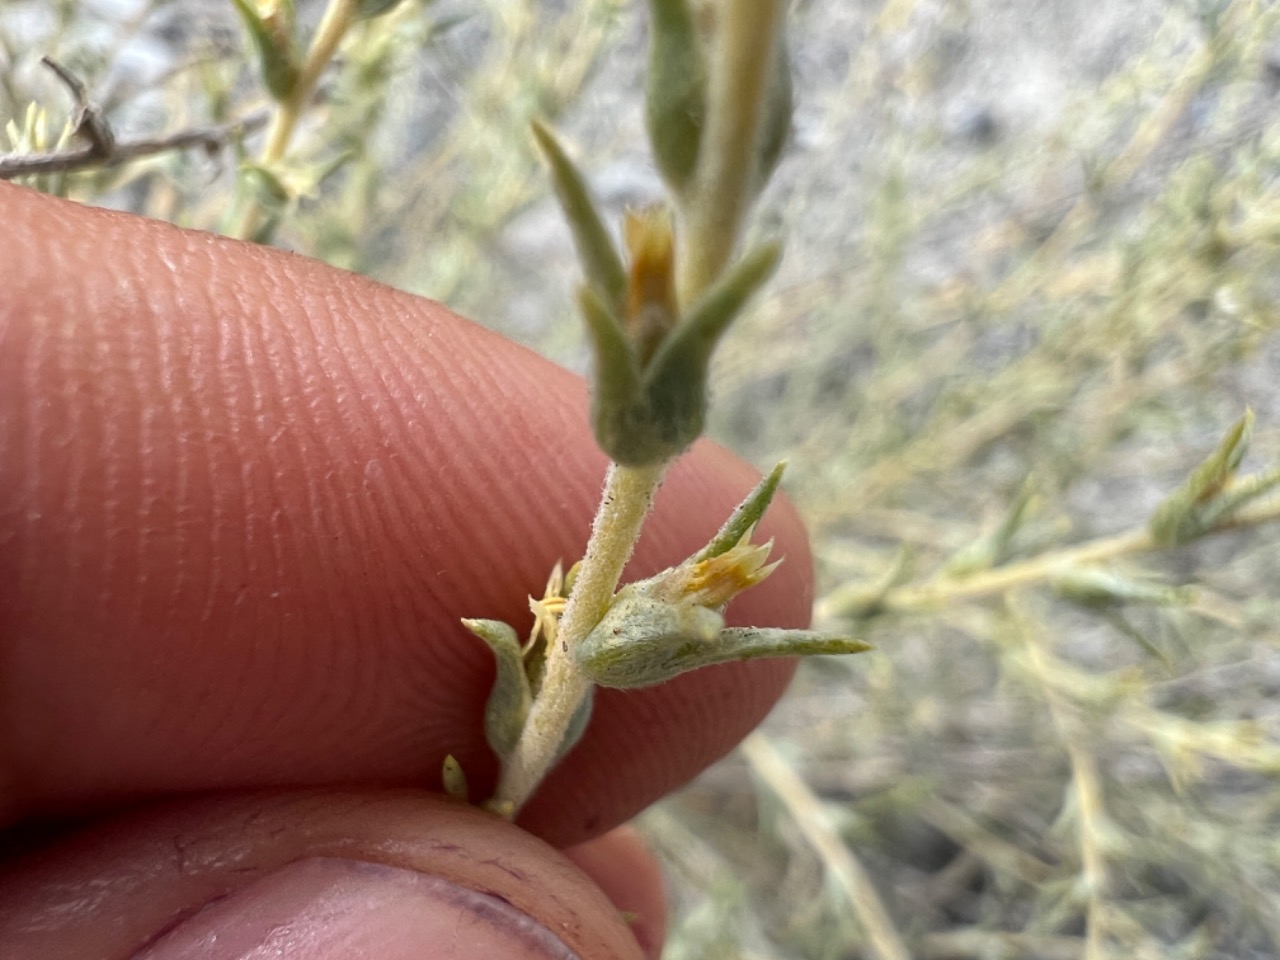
{"x":248,"y":498}
{"x":312,"y":873}
{"x":623,"y":866}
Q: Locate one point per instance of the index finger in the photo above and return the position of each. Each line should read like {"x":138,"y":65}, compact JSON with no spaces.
{"x":245,"y":499}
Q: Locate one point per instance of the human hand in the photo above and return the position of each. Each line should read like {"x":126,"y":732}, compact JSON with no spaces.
{"x":244,"y":500}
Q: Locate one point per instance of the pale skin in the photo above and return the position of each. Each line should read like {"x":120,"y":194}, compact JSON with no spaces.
{"x":244,"y":501}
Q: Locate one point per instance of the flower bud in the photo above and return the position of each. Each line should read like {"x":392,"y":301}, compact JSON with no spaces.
{"x":644,"y":413}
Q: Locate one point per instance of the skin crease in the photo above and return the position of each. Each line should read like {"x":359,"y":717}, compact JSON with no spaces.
{"x":245,"y":499}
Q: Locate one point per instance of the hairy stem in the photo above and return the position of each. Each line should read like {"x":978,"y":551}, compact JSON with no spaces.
{"x":628,"y":495}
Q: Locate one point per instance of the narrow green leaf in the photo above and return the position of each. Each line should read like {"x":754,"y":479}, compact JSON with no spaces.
{"x":1099,"y":587}
{"x":746,"y":516}
{"x":779,"y":107}
{"x":991,"y":549}
{"x":601,"y":262}
{"x":1237,"y":495}
{"x":1122,"y":626}
{"x":750,"y":643}
{"x":707,"y":320}
{"x":368,"y":9}
{"x":862,"y":601}
{"x":676,"y":91}
{"x":1182,"y":516}
{"x":510,"y":698}
{"x":272,"y":37}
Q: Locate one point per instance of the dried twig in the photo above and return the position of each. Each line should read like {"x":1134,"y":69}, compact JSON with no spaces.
{"x":851,"y":877}
{"x":102,"y":149}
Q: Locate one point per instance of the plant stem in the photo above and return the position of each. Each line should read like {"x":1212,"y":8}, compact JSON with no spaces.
{"x":847,"y":601}
{"x":337,"y":20}
{"x":744,"y":60}
{"x":742,"y":64}
{"x":627,"y":498}
{"x":851,"y":877}
{"x":1086,"y":784}
{"x":211,"y":138}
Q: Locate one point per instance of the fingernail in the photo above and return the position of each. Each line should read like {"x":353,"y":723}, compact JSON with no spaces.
{"x":323,"y":908}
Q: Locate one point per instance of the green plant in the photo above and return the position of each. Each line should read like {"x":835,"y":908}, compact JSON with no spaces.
{"x":716,"y":99}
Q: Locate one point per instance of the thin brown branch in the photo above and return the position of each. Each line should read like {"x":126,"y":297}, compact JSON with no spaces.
{"x":88,"y":122}
{"x":211,"y":138}
{"x":101,"y":149}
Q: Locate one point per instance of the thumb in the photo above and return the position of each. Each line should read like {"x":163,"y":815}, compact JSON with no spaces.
{"x":321,"y":874}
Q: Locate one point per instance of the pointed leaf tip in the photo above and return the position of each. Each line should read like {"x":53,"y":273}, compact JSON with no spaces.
{"x":601,"y":262}
{"x":747,"y":515}
{"x":453,"y":779}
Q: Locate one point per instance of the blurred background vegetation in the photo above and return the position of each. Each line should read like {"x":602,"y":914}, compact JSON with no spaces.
{"x":1033,"y":277}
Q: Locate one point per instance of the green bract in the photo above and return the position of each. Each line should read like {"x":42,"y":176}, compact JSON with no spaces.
{"x":651,"y":358}
{"x":600,"y":260}
{"x":641,"y":642}
{"x":648,"y":413}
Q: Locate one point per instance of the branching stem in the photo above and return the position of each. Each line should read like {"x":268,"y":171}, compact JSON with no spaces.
{"x":101,"y":149}
{"x":90,"y":157}
{"x":337,"y":20}
{"x":712,"y":213}
{"x":627,"y":498}
{"x":942,"y":590}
